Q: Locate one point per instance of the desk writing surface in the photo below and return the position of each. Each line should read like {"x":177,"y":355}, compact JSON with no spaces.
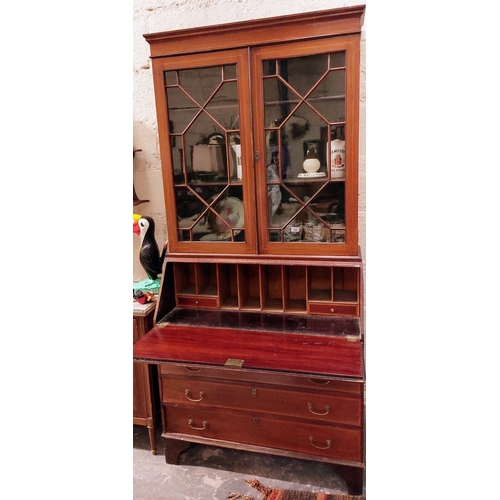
{"x":261,"y":341}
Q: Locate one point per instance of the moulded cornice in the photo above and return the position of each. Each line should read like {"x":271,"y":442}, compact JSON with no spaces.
{"x":308,"y":25}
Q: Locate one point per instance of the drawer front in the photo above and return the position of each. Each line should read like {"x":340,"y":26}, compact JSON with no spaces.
{"x":197,"y":301}
{"x":264,"y":430}
{"x":333,"y":309}
{"x":321,"y":406}
{"x":316,"y":383}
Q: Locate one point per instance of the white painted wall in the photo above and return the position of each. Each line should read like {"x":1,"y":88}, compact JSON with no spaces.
{"x":152,"y":16}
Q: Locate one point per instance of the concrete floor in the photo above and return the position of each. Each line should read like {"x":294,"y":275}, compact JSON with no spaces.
{"x":212,"y":473}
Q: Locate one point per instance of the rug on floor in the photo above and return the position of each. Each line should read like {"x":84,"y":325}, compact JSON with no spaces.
{"x":276,"y":494}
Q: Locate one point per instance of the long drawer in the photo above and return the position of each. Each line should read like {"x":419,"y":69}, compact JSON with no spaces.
{"x":316,"y":383}
{"x":277,"y":400}
{"x":260,"y":429}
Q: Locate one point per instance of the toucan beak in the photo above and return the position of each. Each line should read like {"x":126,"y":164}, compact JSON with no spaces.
{"x":136,"y":228}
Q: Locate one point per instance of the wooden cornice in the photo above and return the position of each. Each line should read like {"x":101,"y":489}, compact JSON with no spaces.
{"x":303,"y":26}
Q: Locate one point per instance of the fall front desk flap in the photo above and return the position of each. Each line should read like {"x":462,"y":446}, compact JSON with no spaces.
{"x":254,"y":340}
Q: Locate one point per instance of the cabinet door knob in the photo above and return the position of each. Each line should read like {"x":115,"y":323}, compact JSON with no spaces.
{"x":332,"y":310}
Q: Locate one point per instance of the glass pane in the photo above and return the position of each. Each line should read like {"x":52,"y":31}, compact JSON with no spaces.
{"x":206,"y":153}
{"x":200,"y":83}
{"x":223,"y":106}
{"x":304,"y":113}
{"x":170,"y":77}
{"x":337,"y":60}
{"x":182,"y":111}
{"x":303,"y":73}
{"x":328,"y":98}
{"x":230,"y":72}
{"x":269,"y":68}
{"x":279,"y":101}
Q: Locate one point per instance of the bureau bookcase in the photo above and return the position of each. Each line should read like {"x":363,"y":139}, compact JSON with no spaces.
{"x":259,"y":324}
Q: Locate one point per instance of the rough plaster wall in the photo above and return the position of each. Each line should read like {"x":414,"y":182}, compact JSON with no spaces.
{"x":152,"y":16}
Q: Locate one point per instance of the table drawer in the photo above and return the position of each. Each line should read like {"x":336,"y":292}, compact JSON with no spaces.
{"x":333,"y":309}
{"x":313,"y":382}
{"x":277,"y":400}
{"x":253,"y":428}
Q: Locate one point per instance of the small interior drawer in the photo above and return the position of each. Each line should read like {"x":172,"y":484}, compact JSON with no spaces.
{"x":197,"y":301}
{"x":332,"y":308}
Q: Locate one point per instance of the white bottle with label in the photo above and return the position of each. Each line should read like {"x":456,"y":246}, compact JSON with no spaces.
{"x":237,"y":152}
{"x":337,"y":148}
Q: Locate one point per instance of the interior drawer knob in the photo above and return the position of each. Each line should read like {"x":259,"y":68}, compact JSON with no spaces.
{"x":326,"y":410}
{"x":191,"y":424}
{"x":187,"y":393}
{"x":327,"y":442}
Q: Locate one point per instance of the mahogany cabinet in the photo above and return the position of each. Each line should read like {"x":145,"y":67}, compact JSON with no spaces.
{"x":259,"y":326}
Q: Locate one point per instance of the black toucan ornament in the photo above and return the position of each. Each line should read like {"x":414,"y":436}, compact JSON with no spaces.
{"x":149,"y":254}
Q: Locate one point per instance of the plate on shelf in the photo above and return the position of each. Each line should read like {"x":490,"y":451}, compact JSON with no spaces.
{"x":216,"y":237}
{"x":311,"y":175}
{"x":231,"y":216}
{"x":205,"y":176}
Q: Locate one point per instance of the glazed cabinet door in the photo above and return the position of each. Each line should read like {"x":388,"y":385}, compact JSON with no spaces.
{"x":204,"y":127}
{"x":305,"y":111}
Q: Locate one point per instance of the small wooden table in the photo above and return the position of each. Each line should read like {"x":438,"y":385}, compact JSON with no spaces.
{"x":144,"y":401}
